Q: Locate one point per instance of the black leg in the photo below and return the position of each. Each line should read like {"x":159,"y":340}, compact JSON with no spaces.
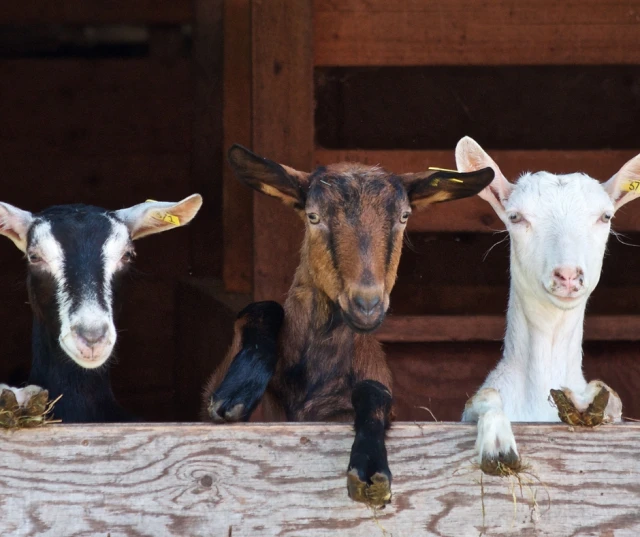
{"x":368,"y":476}
{"x":252,"y":367}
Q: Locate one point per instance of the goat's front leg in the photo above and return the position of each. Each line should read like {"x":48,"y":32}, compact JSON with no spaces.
{"x":368,"y":476}
{"x":595,"y":405}
{"x":495,"y":443}
{"x":236,"y":388}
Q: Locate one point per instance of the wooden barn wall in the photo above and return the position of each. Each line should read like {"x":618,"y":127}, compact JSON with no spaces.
{"x":114,"y":126}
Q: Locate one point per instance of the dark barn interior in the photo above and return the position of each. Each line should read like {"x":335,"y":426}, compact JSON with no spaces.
{"x":112,"y":103}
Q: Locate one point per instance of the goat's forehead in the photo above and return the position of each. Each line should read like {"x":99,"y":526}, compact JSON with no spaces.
{"x":543,"y":190}
{"x":77,"y":229}
{"x":349,"y":184}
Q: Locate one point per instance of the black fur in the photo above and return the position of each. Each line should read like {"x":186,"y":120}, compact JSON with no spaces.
{"x":81,"y":230}
{"x":254,"y":365}
{"x":371,"y":402}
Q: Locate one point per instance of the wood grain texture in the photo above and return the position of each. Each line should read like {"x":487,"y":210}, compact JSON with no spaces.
{"x":237,"y":270}
{"x":96,"y":12}
{"x":418,"y":328}
{"x":288,"y":480}
{"x":469,"y":32}
{"x":474,"y":214}
{"x":282,"y":34}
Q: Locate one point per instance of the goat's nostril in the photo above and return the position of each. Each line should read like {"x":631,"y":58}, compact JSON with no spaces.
{"x":366,"y":304}
{"x":91,"y":335}
{"x":567,"y":276}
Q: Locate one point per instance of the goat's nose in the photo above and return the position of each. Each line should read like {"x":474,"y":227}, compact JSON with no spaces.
{"x":569,"y":277}
{"x":366,"y":304}
{"x":93,"y":335}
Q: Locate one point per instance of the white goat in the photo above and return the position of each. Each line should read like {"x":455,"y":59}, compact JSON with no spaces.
{"x":559,"y":226}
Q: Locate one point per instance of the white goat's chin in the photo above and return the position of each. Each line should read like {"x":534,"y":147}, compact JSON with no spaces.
{"x":85,"y":357}
{"x":566,"y":302}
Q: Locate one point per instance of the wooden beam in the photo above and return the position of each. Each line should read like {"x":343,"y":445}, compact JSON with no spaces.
{"x":237,"y":270}
{"x":206,"y":155}
{"x":470,"y":32}
{"x":474,"y":214}
{"x":96,"y":12}
{"x":262,"y":480}
{"x":282,"y":131}
{"x":444,"y":328}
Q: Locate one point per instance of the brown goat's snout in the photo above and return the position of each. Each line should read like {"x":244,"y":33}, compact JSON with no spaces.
{"x":366,"y":309}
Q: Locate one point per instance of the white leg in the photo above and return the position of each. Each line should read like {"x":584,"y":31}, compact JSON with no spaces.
{"x":495,"y":442}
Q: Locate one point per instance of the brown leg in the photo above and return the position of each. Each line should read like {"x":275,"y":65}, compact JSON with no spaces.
{"x":236,"y":388}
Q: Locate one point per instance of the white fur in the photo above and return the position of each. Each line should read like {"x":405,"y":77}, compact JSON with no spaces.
{"x":562,"y":227}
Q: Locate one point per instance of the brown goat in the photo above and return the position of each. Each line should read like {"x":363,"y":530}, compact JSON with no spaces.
{"x":320,"y":362}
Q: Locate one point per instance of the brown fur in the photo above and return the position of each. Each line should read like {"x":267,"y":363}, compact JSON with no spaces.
{"x":355,"y":217}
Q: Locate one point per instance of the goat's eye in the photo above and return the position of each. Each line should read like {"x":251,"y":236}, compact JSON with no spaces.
{"x":127,"y":257}
{"x":314,"y":218}
{"x":606,"y":217}
{"x":34,"y":258}
{"x":404,"y":217}
{"x":514,"y":218}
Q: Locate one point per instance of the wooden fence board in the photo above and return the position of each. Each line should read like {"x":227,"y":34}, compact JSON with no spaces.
{"x":475,"y":214}
{"x":282,"y":59}
{"x":96,"y":12}
{"x":101,"y":107}
{"x":238,"y":198}
{"x":425,"y":328}
{"x":289,"y":480}
{"x":207,"y":137}
{"x":470,"y":32}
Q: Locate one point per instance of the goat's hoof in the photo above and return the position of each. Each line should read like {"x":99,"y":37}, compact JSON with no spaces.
{"x":219,"y":411}
{"x":570,"y":412}
{"x":376,"y":493}
{"x":18,"y":405}
{"x":502,"y":464}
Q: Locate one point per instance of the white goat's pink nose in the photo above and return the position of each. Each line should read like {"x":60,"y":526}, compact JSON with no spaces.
{"x":571,"y":278}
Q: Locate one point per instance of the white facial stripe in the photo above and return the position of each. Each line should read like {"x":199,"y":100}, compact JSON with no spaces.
{"x":89,"y":313}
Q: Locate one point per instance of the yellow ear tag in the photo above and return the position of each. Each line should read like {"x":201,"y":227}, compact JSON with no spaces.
{"x":164,"y":216}
{"x":631,"y":186}
{"x":442,"y":169}
{"x":452,"y":179}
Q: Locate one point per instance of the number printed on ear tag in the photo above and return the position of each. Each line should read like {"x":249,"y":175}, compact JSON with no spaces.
{"x":631,"y":186}
{"x":165,"y":217}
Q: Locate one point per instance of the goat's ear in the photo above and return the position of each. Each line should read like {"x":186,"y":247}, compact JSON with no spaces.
{"x":624,"y":186}
{"x":156,"y":216}
{"x":15,"y":224}
{"x":288,"y":185}
{"x":470,"y":156}
{"x":435,"y":185}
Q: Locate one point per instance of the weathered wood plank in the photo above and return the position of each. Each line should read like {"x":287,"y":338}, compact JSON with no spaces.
{"x":288,"y":480}
{"x":469,"y":32}
{"x":429,"y":328}
{"x":96,"y":12}
{"x":237,"y":198}
{"x":282,"y":130}
{"x":474,"y":214}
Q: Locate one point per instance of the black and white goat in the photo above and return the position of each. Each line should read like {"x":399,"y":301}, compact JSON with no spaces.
{"x":76,"y":257}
